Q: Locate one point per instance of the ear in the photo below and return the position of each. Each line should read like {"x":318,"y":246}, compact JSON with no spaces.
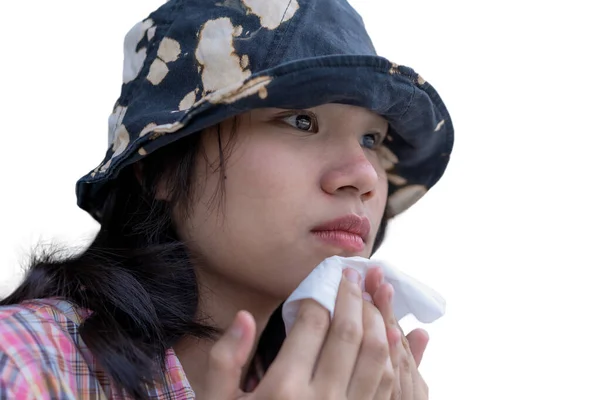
{"x":162,"y":193}
{"x":161,"y":190}
{"x":137,"y":172}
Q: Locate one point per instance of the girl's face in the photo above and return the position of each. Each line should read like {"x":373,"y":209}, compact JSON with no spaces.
{"x":290,"y":174}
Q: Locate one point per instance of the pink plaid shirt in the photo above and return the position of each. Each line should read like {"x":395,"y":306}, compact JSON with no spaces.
{"x":43,"y":357}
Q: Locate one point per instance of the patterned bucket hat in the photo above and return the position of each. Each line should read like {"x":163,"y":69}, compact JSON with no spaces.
{"x":194,"y":63}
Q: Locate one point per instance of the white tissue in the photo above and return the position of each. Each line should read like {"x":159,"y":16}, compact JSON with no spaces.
{"x":321,"y":285}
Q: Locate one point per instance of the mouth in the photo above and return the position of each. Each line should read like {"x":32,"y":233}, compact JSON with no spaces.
{"x":349,"y":232}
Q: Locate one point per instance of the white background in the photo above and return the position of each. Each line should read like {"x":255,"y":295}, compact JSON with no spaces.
{"x":509,"y":236}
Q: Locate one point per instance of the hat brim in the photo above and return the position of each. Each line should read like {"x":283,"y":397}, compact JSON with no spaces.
{"x":421,"y":132}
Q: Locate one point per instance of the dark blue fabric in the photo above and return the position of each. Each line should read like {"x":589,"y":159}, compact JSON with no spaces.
{"x":320,"y":54}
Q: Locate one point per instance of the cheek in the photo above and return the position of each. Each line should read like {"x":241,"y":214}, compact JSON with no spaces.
{"x":265,"y":193}
{"x":264,"y":213}
{"x":377,"y":205}
{"x":267,"y":171}
{"x":267,"y":188}
{"x":382,"y":186}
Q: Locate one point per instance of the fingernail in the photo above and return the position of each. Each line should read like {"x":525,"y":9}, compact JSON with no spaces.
{"x":367,"y":297}
{"x":352,"y":275}
{"x":391,"y":294}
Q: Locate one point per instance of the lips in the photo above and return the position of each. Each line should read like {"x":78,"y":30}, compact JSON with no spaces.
{"x":349,"y":232}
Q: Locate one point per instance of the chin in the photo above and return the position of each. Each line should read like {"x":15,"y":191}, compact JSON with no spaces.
{"x":287,"y":277}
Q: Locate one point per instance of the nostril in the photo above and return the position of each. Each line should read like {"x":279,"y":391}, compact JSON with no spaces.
{"x":368,"y":195}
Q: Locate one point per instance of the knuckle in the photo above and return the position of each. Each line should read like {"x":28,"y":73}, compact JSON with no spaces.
{"x":373,"y":318}
{"x":405,"y":364}
{"x":331,"y":395}
{"x":371,"y":310}
{"x":377,"y":349}
{"x":354,"y":291}
{"x":286,"y":390}
{"x":388,"y":378}
{"x":405,"y":343}
{"x":314,"y":317}
{"x":347,"y":331}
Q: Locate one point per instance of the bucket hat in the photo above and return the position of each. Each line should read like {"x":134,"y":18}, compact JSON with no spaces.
{"x":194,"y":63}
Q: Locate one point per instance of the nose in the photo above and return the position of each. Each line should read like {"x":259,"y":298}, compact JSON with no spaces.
{"x":350,"y":172}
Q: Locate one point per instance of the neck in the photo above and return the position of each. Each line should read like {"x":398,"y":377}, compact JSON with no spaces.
{"x":221,"y":299}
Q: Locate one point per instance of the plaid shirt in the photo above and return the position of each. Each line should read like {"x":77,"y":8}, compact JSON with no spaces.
{"x":43,"y":357}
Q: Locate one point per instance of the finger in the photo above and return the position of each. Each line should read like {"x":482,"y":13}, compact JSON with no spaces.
{"x":404,"y":363}
{"x":387,"y":384}
{"x":407,"y":369}
{"x":373,"y":280}
{"x":372,"y":357}
{"x":300,"y":350}
{"x":343,"y":341}
{"x":228,"y":356}
{"x":394,"y":336}
{"x":418,"y":340}
{"x":383,"y":298}
{"x":383,"y":301}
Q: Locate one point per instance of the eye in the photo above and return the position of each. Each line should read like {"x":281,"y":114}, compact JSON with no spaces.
{"x":303,"y":121}
{"x":371,"y":140}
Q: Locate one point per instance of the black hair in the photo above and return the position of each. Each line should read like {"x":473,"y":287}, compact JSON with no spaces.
{"x":137,"y":277}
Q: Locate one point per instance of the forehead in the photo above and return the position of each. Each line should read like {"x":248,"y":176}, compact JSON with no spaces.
{"x":352,"y":112}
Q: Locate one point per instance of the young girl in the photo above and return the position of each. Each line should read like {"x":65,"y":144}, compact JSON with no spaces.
{"x":252,"y":140}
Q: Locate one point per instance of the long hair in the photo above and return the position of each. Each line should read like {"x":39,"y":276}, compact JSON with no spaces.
{"x":137,"y":277}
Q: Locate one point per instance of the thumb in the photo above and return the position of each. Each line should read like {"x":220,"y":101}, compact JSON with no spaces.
{"x":228,"y":357}
{"x":417,"y":341}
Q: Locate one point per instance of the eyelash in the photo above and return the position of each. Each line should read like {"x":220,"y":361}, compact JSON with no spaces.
{"x":313,"y":119}
{"x":377,"y":140}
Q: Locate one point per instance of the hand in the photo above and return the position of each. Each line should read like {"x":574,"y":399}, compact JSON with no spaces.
{"x":345,"y":358}
{"x":406,"y":351}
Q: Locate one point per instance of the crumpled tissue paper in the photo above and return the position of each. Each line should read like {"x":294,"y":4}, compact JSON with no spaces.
{"x":321,"y":285}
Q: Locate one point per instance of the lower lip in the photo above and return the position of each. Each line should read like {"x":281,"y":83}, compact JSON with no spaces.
{"x":342,"y":239}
